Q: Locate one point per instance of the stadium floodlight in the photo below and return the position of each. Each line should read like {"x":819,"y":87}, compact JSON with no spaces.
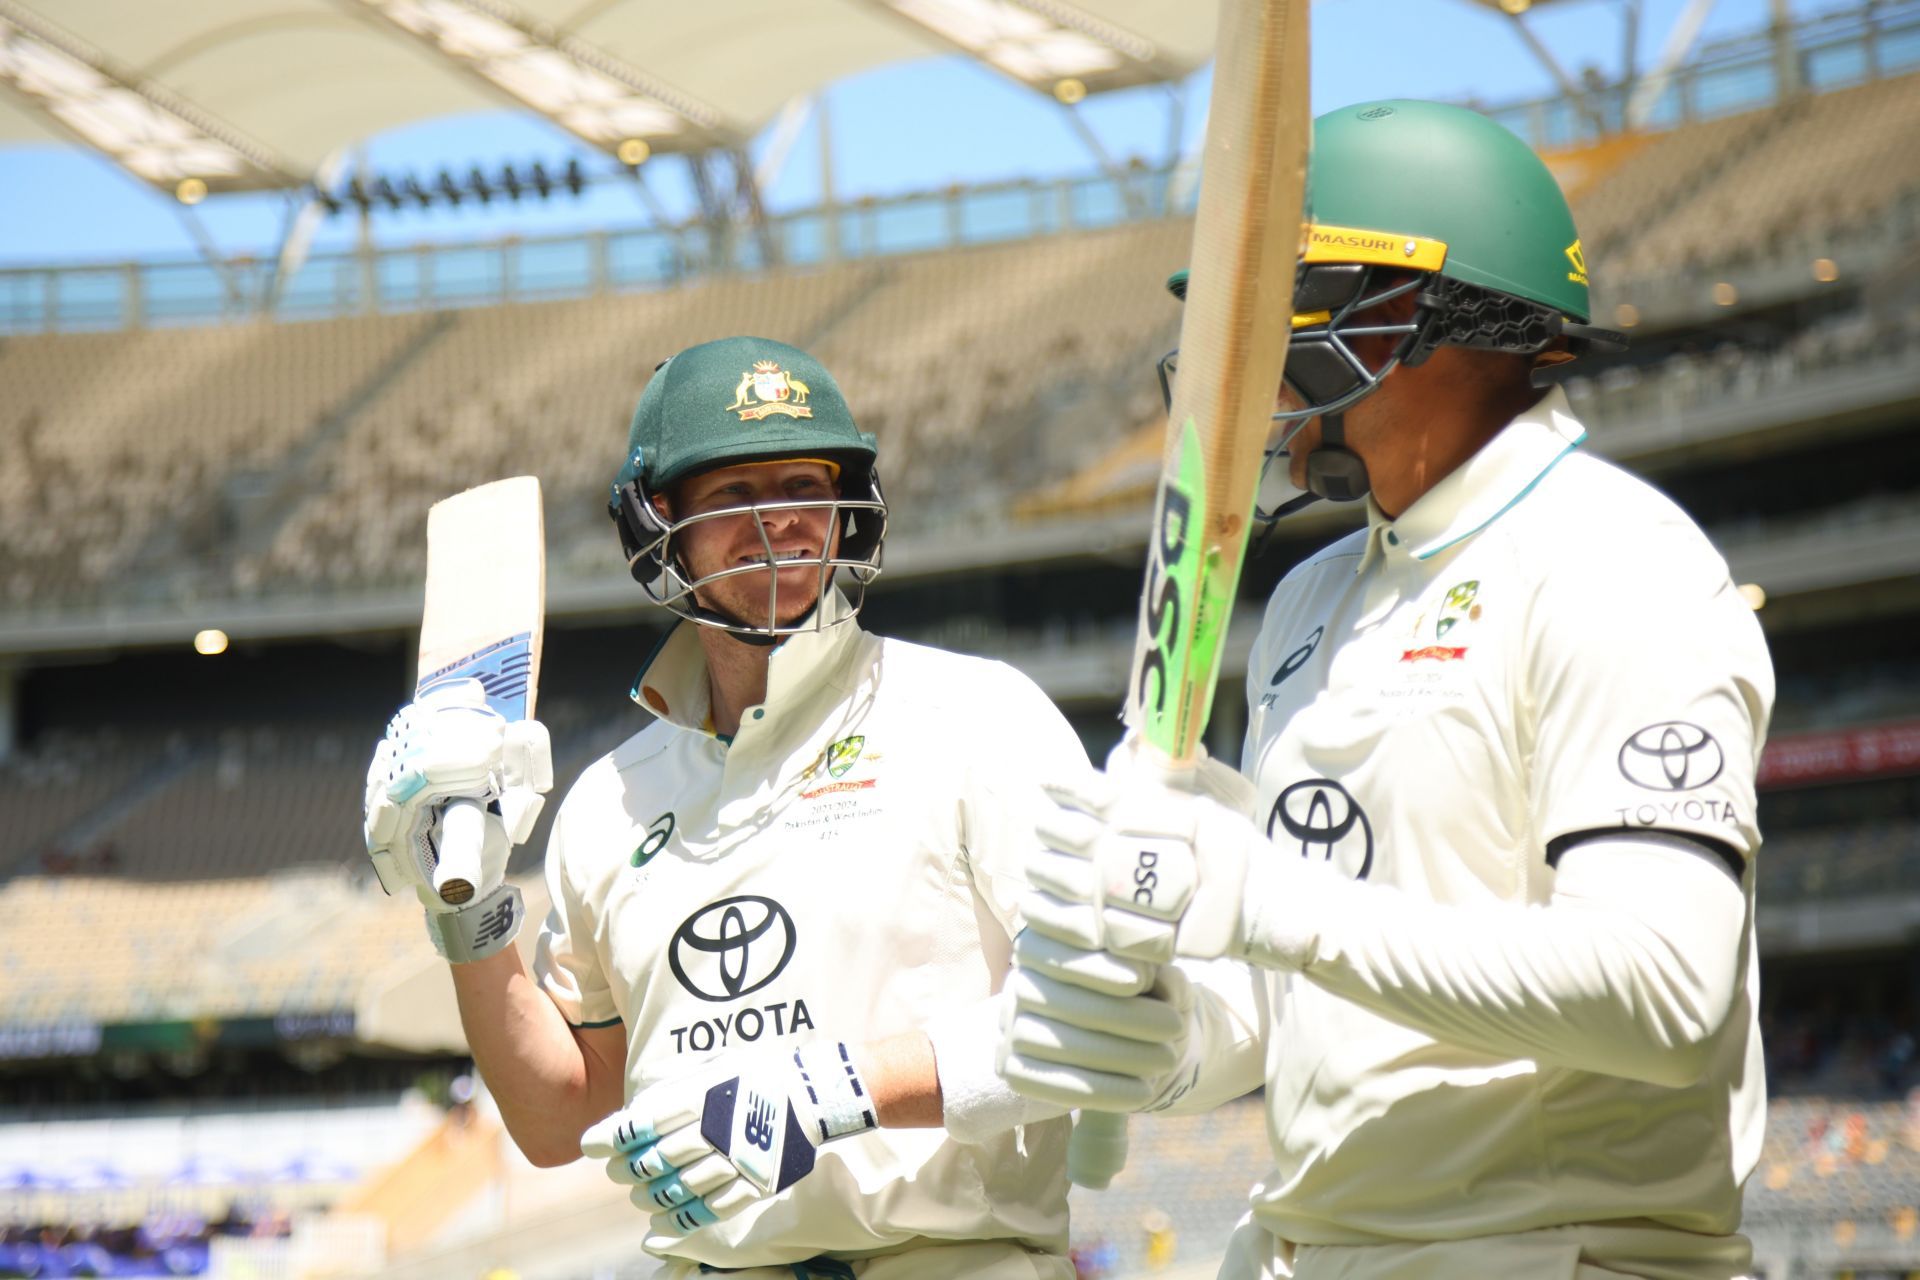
{"x":586,"y":91}
{"x":151,"y":134}
{"x":1048,"y":45}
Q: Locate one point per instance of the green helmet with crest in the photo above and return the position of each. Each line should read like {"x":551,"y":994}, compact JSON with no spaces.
{"x":1438,"y":201}
{"x":1444,"y":189}
{"x":732,"y":402}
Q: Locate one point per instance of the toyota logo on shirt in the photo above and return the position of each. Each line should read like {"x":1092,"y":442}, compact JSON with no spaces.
{"x":732,"y":947}
{"x":1328,"y":822}
{"x":1674,"y":755}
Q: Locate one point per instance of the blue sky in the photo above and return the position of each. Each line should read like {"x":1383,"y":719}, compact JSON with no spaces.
{"x":907,"y":127}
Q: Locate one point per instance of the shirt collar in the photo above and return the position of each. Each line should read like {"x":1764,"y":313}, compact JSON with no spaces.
{"x":673,"y":683}
{"x":1481,"y":489}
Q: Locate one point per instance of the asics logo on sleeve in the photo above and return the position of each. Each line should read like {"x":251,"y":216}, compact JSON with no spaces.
{"x":1292,"y":663}
{"x":1297,"y":659}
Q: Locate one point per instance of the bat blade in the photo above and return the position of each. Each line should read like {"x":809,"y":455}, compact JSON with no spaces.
{"x":484,"y":619}
{"x":1233,"y":342}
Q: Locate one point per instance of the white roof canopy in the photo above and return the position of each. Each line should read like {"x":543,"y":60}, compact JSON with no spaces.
{"x":255,"y":94}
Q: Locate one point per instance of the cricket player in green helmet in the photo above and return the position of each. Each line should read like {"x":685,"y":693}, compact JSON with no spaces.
{"x":1489,"y":850}
{"x":764,"y":995}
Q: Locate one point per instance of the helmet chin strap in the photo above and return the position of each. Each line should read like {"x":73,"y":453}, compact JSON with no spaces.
{"x":750,"y":633}
{"x":1335,"y":472}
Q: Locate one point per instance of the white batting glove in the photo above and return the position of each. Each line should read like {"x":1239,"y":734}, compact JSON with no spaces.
{"x":700,"y":1149}
{"x":1141,"y":870}
{"x":451,"y":745}
{"x":1083,"y":1029}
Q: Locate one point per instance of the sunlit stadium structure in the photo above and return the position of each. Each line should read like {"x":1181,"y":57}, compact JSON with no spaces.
{"x":207,"y":1008}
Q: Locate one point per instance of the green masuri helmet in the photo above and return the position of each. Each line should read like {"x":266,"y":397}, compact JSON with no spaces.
{"x":1422,"y":198}
{"x":1434,"y":187}
{"x":1386,"y":174}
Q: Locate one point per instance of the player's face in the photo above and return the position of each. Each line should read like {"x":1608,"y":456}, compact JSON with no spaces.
{"x":1364,"y":420}
{"x":737,"y":542}
{"x":1302,"y":441}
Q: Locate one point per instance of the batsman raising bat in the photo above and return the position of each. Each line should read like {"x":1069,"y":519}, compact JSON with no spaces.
{"x":781,"y":911}
{"x":1490,"y":848}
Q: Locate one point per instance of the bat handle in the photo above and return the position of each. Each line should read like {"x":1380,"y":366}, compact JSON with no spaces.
{"x":463,"y":837}
{"x":1097,"y":1149}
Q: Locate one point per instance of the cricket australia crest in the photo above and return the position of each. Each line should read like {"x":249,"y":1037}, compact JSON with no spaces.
{"x":767,"y":389}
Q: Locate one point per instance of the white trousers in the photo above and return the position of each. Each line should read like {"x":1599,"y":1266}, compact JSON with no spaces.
{"x":1555,"y":1253}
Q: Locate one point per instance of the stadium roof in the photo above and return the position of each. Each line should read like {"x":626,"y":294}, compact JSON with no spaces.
{"x":257,"y":94}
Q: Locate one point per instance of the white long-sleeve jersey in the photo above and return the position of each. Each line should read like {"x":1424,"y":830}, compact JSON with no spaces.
{"x":1541,"y":653}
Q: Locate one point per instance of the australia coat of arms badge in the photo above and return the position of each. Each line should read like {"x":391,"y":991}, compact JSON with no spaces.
{"x":767,"y":389}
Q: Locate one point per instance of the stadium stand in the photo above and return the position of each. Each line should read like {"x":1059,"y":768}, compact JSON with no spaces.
{"x":1711,"y":194}
{"x":167,"y":433}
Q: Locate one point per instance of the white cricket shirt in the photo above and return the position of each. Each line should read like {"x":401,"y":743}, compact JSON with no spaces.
{"x":1539,"y":648}
{"x":848,"y":866}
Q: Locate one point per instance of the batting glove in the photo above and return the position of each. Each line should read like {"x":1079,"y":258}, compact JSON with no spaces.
{"x":1086,"y":1029}
{"x":451,"y":746}
{"x":699,"y":1150}
{"x":1139,"y":869}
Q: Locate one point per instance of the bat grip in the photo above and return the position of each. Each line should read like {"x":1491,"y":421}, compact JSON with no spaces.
{"x":463,"y":837}
{"x":1097,"y":1149}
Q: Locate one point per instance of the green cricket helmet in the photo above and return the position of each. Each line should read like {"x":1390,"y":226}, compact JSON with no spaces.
{"x":1440,"y":202}
{"x":727,"y":403}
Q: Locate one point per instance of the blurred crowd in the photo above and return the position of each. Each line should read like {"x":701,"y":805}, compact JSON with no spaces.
{"x":166,"y":1243}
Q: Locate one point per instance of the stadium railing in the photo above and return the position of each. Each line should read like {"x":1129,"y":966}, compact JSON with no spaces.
{"x":1741,"y":75}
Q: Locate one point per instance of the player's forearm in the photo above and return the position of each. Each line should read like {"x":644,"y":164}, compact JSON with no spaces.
{"x":1630,"y":970}
{"x":904,"y":1079}
{"x":548,"y":1081}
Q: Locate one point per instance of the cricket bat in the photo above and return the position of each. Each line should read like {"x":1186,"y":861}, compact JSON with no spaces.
{"x":484,"y":615}
{"x":1247,"y":238}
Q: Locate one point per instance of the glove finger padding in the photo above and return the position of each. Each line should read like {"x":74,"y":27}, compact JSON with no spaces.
{"x":1074,"y":1047}
{"x":1140,"y":871}
{"x":526,"y":775}
{"x":698,"y":1151}
{"x":698,"y":1181}
{"x":1134,"y":867}
{"x":448,"y":743}
{"x":1112,"y":975}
